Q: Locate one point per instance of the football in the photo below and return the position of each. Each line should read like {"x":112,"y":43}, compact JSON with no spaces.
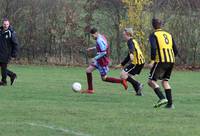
{"x":76,"y":87}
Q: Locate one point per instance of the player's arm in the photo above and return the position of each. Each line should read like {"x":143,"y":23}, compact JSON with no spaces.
{"x":15,"y":45}
{"x":124,"y":62}
{"x":129,"y":56}
{"x":131,"y":48}
{"x":153,"y":44}
{"x":91,"y":48}
{"x":175,"y":48}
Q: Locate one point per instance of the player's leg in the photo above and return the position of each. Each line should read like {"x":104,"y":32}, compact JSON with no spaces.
{"x":3,"y":74}
{"x":167,"y":87}
{"x":133,"y":70}
{"x":153,"y":84}
{"x":89,"y":71}
{"x":124,"y":75}
{"x":12,"y":76}
{"x":155,"y":73}
{"x":168,"y":93}
{"x":104,"y":70}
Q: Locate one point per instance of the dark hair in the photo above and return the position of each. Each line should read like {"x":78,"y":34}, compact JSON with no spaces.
{"x":93,"y":30}
{"x":156,"y":23}
{"x":5,"y":19}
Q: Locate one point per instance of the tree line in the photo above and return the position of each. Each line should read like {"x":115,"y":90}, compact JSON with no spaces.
{"x":57,"y":31}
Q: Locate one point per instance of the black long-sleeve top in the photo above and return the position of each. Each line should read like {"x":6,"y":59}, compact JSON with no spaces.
{"x":131,"y":48}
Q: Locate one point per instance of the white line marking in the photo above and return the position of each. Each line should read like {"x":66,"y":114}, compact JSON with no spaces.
{"x":59,"y":129}
{"x":47,"y":126}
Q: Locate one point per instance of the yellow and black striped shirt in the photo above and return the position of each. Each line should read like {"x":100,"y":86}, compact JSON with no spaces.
{"x":135,"y":49}
{"x":163,"y":47}
{"x":138,"y":55}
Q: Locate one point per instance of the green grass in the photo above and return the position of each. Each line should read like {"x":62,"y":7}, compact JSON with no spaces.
{"x":41,"y":103}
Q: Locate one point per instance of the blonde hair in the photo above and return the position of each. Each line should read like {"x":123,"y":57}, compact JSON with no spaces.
{"x":129,"y":31}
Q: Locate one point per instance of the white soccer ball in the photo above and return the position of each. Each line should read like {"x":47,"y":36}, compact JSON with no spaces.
{"x":76,"y":87}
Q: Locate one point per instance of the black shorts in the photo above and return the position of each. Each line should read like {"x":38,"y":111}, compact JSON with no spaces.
{"x":134,"y":69}
{"x":161,"y":71}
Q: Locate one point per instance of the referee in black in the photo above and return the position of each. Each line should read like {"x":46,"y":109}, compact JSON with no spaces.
{"x":163,"y":52}
{"x":8,"y":49}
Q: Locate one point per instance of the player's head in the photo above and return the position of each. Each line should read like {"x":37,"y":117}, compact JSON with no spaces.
{"x":94,"y":33}
{"x":128,"y":33}
{"x":6,"y":23}
{"x":156,"y":23}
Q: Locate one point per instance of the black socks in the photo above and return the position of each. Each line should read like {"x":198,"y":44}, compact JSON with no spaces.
{"x":159,"y":93}
{"x":169,"y":96}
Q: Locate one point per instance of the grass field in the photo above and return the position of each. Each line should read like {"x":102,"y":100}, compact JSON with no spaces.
{"x":41,"y":103}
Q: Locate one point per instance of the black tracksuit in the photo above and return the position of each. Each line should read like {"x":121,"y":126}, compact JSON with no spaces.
{"x":8,"y":48}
